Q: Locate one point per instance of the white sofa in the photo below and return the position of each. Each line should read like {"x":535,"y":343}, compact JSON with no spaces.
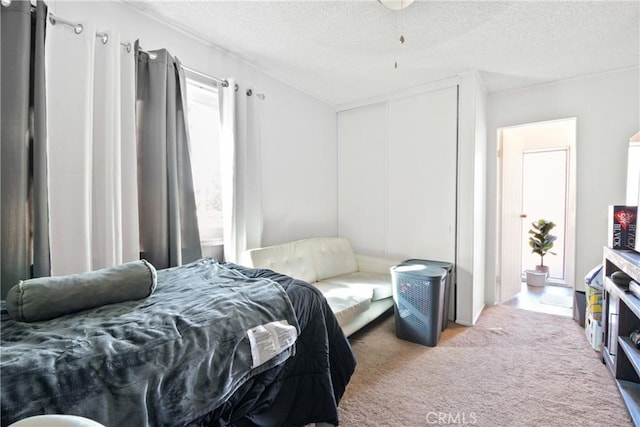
{"x":357,"y":287}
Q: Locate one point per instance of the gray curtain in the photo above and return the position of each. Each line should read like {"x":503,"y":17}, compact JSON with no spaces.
{"x":24,"y":220}
{"x":169,"y":234}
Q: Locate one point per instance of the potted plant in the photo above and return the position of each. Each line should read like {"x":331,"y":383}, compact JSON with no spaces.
{"x":541,"y":242}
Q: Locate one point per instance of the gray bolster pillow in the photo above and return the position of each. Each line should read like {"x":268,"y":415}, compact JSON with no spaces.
{"x":45,"y":298}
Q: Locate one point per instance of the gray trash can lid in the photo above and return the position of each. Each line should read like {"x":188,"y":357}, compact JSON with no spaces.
{"x":443,"y":264}
{"x":420,"y":270}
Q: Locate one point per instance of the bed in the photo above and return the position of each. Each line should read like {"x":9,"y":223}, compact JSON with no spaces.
{"x":182,"y":357}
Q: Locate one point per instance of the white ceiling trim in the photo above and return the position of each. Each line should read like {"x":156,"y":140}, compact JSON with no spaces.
{"x":400,"y":94}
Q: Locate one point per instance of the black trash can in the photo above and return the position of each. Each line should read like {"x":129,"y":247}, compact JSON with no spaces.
{"x":418,"y":295}
{"x":448,"y":284}
{"x":580,"y":298}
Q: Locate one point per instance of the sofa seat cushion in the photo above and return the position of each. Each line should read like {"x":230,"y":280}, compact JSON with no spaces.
{"x":378,"y":284}
{"x":346,"y":302}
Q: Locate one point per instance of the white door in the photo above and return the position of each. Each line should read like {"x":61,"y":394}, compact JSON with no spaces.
{"x":422,"y":175}
{"x":362,"y":165}
{"x":397,"y":176}
{"x":510,"y":281}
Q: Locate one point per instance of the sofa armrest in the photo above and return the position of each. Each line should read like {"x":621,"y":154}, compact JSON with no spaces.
{"x":375,"y":264}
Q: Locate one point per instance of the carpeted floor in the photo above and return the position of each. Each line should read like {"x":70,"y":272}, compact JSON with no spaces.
{"x":514,"y":368}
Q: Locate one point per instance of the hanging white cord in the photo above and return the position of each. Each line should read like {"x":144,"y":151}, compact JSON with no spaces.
{"x":401,"y":39}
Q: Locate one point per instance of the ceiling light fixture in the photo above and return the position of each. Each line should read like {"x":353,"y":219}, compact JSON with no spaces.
{"x":395,"y":4}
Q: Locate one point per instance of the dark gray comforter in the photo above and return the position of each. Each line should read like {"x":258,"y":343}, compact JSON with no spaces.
{"x":309,"y":385}
{"x":167,"y":360}
{"x":179,"y":357}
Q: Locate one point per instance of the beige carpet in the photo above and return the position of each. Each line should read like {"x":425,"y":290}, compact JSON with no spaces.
{"x":514,"y":368}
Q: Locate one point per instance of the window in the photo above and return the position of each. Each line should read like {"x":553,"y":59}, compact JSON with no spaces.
{"x":204,"y":126}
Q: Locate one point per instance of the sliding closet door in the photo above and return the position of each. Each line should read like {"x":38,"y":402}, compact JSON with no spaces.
{"x":397,"y":176}
{"x":361,"y":177}
{"x":422,"y":154}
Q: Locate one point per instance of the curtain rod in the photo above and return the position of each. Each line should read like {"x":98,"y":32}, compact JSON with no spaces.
{"x":223,"y":82}
{"x":78,"y":28}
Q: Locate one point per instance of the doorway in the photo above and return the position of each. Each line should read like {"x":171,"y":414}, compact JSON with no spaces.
{"x":537,"y":181}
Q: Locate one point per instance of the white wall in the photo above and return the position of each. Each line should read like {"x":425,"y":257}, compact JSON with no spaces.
{"x":472,"y":187}
{"x":300,"y":168}
{"x":608,"y":114}
{"x":297,"y":131}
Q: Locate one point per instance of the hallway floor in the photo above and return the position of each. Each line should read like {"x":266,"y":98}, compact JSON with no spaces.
{"x":544,"y":299}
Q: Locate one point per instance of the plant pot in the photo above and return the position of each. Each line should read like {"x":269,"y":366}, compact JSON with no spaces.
{"x":542,"y":268}
{"x":536,"y":278}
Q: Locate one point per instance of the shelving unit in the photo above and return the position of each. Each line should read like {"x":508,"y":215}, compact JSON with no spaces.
{"x":621,"y":311}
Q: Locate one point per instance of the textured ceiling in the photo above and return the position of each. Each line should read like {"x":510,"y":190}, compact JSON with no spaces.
{"x":344,"y":51}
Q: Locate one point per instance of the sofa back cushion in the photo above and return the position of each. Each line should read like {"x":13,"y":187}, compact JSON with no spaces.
{"x":293,"y":259}
{"x":332,"y":256}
